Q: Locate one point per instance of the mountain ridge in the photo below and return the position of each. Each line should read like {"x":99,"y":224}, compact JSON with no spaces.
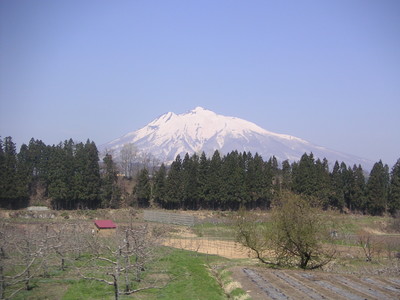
{"x":203,"y":130}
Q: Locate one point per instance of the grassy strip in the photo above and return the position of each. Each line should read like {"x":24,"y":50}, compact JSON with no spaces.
{"x":190,"y":278}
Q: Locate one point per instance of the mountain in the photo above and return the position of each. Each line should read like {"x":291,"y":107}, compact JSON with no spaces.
{"x":203,"y":130}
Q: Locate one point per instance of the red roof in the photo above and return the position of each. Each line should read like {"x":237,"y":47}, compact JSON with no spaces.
{"x":105,"y":224}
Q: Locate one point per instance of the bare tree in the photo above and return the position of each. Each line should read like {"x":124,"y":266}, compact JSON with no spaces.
{"x":128,"y":155}
{"x":253,"y":232}
{"x":370,"y":245}
{"x":121,"y":261}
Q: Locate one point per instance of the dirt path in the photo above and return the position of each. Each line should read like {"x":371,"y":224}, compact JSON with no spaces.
{"x":228,"y":249}
{"x":262,"y":283}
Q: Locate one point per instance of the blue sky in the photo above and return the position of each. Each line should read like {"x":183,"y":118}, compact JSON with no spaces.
{"x":324,"y":71}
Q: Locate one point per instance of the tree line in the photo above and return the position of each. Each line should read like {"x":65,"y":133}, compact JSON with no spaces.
{"x":242,"y":180}
{"x":70,"y":176}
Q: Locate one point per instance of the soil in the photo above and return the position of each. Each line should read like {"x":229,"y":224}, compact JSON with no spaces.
{"x":261,"y":283}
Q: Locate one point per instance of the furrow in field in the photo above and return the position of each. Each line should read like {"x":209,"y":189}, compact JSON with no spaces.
{"x":269,"y":289}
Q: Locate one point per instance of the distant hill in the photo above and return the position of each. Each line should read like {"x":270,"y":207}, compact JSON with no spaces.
{"x":203,"y":130}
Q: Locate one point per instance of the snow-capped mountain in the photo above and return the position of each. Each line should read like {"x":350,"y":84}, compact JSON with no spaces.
{"x":203,"y":130}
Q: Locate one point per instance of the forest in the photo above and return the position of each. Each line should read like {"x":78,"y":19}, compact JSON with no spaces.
{"x":70,"y":175}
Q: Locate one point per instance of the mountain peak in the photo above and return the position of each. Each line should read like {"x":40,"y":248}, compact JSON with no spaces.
{"x":203,"y":130}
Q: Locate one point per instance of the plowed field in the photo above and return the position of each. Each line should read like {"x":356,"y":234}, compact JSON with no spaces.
{"x":278,"y":284}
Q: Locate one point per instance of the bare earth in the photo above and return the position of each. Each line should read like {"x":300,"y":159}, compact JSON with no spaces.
{"x":261,"y":283}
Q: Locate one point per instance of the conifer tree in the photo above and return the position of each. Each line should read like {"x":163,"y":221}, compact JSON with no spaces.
{"x":337,"y":196}
{"x":394,"y":191}
{"x":24,"y":175}
{"x":159,"y":188}
{"x":142,"y":190}
{"x":9,"y":185}
{"x":110,"y":191}
{"x":377,"y":189}
{"x":304,"y":177}
{"x":202,"y":179}
{"x":190,"y":181}
{"x":286,"y":175}
{"x":2,"y":174}
{"x":214,"y":181}
{"x":323,"y":182}
{"x":174,"y":184}
{"x":358,"y":195}
{"x":87,"y":175}
{"x":58,"y":188}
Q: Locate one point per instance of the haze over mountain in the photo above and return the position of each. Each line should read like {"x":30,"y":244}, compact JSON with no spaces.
{"x":203,"y":130}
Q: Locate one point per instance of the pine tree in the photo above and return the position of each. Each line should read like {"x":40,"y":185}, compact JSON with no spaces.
{"x":286,"y":175}
{"x":323,"y":188}
{"x":377,"y":189}
{"x":110,"y":191}
{"x":142,"y":190}
{"x":358,"y":195}
{"x":190,"y":181}
{"x":2,"y":174}
{"x":24,"y":175}
{"x":304,"y":177}
{"x":394,"y":191}
{"x":337,"y":196}
{"x":233,"y":193}
{"x":159,"y":188}
{"x":174,"y":184}
{"x":10,"y":187}
{"x":214,"y":182}
{"x":202,"y":179}
{"x":87,"y":175}
{"x":58,"y":187}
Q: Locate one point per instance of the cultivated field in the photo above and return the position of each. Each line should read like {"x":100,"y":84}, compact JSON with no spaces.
{"x":204,"y":261}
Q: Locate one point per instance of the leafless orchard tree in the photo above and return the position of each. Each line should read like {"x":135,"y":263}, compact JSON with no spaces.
{"x":120,"y":261}
{"x":24,"y":255}
{"x":370,"y":245}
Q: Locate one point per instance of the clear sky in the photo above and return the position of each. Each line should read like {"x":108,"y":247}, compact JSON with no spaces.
{"x":324,"y":71}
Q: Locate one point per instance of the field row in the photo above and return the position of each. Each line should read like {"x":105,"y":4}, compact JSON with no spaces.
{"x":280,"y":285}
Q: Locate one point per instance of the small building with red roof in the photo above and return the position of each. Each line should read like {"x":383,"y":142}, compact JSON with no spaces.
{"x":106,"y":227}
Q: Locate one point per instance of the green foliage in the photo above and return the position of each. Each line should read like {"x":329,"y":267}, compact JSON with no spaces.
{"x":298,"y":230}
{"x":142,"y":189}
{"x":110,"y":191}
{"x":394,"y":191}
{"x":377,"y":189}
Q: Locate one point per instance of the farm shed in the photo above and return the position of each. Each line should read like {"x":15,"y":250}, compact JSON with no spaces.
{"x":105,"y":227}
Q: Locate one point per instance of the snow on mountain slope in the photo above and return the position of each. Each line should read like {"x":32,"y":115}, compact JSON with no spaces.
{"x":203,"y":130}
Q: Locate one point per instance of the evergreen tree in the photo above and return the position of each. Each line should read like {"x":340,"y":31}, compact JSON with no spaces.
{"x":58,"y":187}
{"x":233,"y":194}
{"x":39,"y":164}
{"x":174,"y":184}
{"x":394,"y":191}
{"x":24,"y":174}
{"x":159,"y":188}
{"x":323,"y":188}
{"x":286,"y":181}
{"x":358,"y":195}
{"x":87,"y":175}
{"x":110,"y":191}
{"x":202,"y":179}
{"x":9,"y":182}
{"x":190,"y":182}
{"x":142,"y":190}
{"x":2,"y":174}
{"x":304,"y":177}
{"x":337,"y":196}
{"x":214,"y":182}
{"x":377,"y":189}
